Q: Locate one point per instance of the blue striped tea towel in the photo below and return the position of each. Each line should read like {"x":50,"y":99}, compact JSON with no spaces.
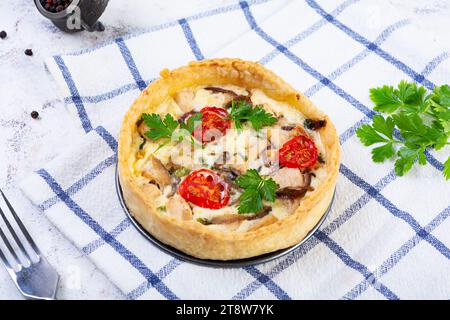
{"x":385,"y":238}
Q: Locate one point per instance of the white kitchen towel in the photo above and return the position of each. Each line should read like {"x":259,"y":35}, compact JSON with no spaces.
{"x":385,"y":238}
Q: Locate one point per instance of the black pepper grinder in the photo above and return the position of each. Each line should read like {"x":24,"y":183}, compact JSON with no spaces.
{"x":75,"y":15}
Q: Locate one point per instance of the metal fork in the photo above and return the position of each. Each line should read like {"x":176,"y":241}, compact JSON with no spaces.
{"x":35,"y":279}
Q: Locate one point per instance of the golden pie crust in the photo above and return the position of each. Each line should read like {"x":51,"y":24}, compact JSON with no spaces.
{"x":192,"y":237}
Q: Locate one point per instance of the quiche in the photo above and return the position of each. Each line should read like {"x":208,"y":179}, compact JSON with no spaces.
{"x":224,"y":160}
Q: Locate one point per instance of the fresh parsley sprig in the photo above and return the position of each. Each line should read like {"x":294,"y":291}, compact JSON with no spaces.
{"x":418,"y":120}
{"x":256,"y":189}
{"x":159,"y":128}
{"x":242,"y":111}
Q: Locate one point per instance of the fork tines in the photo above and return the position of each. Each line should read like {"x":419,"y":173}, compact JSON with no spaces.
{"x":8,"y":244}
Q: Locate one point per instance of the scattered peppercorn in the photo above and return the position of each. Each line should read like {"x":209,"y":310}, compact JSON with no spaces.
{"x":29,"y":52}
{"x":314,"y":124}
{"x":35,"y":114}
{"x":55,"y":6}
{"x":3,"y":34}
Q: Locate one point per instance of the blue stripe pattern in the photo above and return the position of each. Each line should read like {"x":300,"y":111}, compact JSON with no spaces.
{"x":127,"y":56}
{"x":358,"y":58}
{"x":369,"y":276}
{"x":268,"y":283}
{"x":346,"y":96}
{"x":85,"y":122}
{"x":94,"y":245}
{"x":78,"y":185}
{"x":306,"y":33}
{"x":372,"y":46}
{"x":107,"y":95}
{"x":130,"y":257}
{"x":109,"y":139}
{"x":405,"y":216}
{"x":434,"y":63}
{"x":191,"y":40}
{"x":171,"y":24}
{"x":161,"y":274}
{"x":392,"y":261}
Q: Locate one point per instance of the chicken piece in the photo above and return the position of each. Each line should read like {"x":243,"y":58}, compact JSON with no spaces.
{"x":178,"y":208}
{"x":142,"y":129}
{"x":151,"y":190}
{"x":155,"y":171}
{"x":263,"y":222}
{"x":184,"y":99}
{"x":292,"y":182}
{"x":289,"y":177}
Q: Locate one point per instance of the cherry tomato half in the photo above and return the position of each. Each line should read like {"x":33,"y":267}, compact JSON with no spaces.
{"x":214,"y":124}
{"x":205,"y":189}
{"x":299,"y":152}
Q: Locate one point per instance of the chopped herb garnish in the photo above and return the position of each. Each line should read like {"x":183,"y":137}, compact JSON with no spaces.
{"x":159,"y":128}
{"x":242,"y":111}
{"x":162,"y":208}
{"x":256,"y":189}
{"x":203,"y":221}
{"x":165,"y":128}
{"x":181,"y":172}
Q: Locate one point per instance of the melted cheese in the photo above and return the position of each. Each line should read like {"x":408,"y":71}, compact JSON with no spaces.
{"x":242,"y":147}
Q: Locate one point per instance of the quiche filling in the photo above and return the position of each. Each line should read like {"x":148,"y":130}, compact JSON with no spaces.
{"x":228,"y":158}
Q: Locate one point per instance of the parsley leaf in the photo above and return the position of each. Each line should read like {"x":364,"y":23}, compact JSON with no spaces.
{"x":406,"y":160}
{"x":419,"y":120}
{"x":166,"y":128}
{"x":242,"y":111}
{"x":407,"y":96}
{"x":379,"y":154}
{"x":384,"y":126}
{"x":159,"y":128}
{"x":385,"y":99}
{"x":256,"y":189}
{"x":250,"y":201}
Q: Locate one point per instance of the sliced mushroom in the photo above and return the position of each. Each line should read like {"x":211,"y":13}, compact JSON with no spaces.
{"x":178,"y":208}
{"x":184,"y":99}
{"x":238,"y":98}
{"x":222,"y":90}
{"x":155,"y":171}
{"x":315,"y":124}
{"x":186,"y":116}
{"x":292,"y":182}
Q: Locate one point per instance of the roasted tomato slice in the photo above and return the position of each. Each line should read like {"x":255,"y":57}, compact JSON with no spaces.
{"x":205,"y":189}
{"x":299,"y":152}
{"x":214,"y":124}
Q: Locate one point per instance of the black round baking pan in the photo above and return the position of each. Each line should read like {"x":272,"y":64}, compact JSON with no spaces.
{"x":213,"y":263}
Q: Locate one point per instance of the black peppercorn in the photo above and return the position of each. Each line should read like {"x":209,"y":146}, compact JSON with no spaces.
{"x":35,"y":114}
{"x":55,"y":6}
{"x":3,"y":34}
{"x":29,"y":52}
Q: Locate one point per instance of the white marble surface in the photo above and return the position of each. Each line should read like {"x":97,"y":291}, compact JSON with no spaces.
{"x":26,"y":144}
